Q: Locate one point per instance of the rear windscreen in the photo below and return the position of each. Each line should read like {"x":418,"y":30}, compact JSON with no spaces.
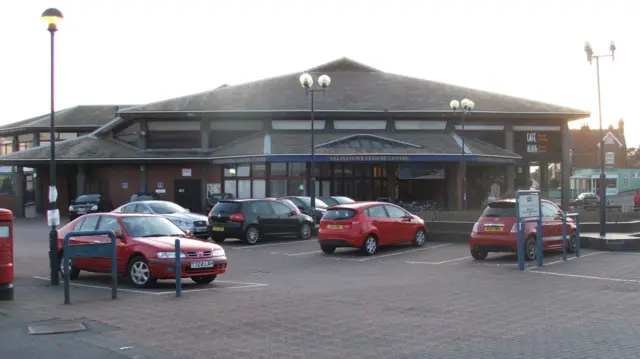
{"x":339,"y":213}
{"x":226,"y":207}
{"x":500,"y":209}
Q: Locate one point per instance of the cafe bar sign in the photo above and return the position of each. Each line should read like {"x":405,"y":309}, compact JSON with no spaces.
{"x":537,"y":142}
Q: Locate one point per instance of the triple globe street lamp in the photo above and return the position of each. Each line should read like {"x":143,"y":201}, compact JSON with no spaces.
{"x":467,"y":106}
{"x":53,"y":17}
{"x":306,"y":81}
{"x":603,"y":178}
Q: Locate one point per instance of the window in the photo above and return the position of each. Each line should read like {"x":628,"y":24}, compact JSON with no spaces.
{"x":278,"y":169}
{"x":549,"y":210}
{"x":297,"y":169}
{"x":89,"y":223}
{"x":230,"y":170}
{"x":360,"y":124}
{"x":625,"y":179}
{"x":297,"y":124}
{"x":340,"y":213}
{"x":141,"y":208}
{"x":78,"y":225}
{"x":165,"y":207}
{"x":277,"y":188}
{"x":258,"y":170}
{"x":414,"y":125}
{"x":376,"y":212}
{"x":108,"y":223}
{"x":260,"y":208}
{"x":610,"y":158}
{"x":297,"y":202}
{"x":279,"y":208}
{"x":243,"y":170}
{"x":259,"y":189}
{"x":230,"y":187}
{"x":500,"y":209}
{"x":395,"y":212}
{"x":608,"y":139}
{"x":130,"y":208}
{"x":296,"y":187}
{"x":244,"y":189}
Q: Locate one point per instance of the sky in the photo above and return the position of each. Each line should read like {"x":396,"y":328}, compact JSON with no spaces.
{"x":140,"y":51}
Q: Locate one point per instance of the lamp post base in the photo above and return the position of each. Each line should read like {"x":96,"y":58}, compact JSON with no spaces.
{"x":54,"y":258}
{"x":6,"y":292}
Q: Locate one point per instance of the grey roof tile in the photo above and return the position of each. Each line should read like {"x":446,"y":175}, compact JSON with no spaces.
{"x":352,"y":89}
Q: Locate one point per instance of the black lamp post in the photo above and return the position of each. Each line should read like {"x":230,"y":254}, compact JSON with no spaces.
{"x":53,"y":17}
{"x":603,"y":177}
{"x":307,"y":82}
{"x":467,"y":106}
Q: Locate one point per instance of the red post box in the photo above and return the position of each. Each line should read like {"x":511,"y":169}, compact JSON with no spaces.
{"x":6,"y":254}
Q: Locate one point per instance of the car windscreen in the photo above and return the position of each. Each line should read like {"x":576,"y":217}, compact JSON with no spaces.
{"x":500,"y":209}
{"x":87,"y":198}
{"x":226,"y":207}
{"x":142,"y":197}
{"x":336,"y":214}
{"x":143,"y":226}
{"x":329,"y":201}
{"x":165,"y":207}
{"x":343,"y":200}
{"x":307,"y":202}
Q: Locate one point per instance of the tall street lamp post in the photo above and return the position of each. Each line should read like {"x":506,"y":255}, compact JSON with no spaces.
{"x":467,"y":107}
{"x":603,"y":178}
{"x":307,"y":83}
{"x":53,"y":17}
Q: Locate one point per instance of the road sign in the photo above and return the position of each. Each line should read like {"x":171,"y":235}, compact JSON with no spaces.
{"x":529,"y":205}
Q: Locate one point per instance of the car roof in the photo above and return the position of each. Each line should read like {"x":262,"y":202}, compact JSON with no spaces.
{"x":121,"y":214}
{"x":151,"y":201}
{"x":359,"y":205}
{"x":513,"y":200}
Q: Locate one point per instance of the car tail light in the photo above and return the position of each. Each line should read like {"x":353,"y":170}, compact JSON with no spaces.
{"x":475,"y":227}
{"x":514,"y":229}
{"x":236,"y":217}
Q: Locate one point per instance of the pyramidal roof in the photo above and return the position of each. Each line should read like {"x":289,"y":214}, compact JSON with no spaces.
{"x":355,"y":87}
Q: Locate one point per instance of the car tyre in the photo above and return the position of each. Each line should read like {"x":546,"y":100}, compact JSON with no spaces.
{"x":370,"y":245}
{"x":420,"y":237}
{"x":74,"y":272}
{"x":328,"y":249}
{"x":204,"y":279}
{"x":139,"y":273}
{"x":252,"y":235}
{"x":479,"y":253}
{"x":305,"y":231}
{"x":217,"y":239}
{"x":572,"y":244}
{"x":530,"y":249}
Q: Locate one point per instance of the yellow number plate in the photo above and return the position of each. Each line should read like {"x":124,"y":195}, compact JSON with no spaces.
{"x":493,"y":229}
{"x":217,"y":229}
{"x":334,"y":226}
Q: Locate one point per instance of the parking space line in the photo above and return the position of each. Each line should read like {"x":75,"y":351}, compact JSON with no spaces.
{"x":270,"y":244}
{"x":436,"y":263}
{"x":409,"y":251}
{"x":101,"y":287}
{"x":300,"y":254}
{"x":562,"y":260}
{"x":620,"y":280}
{"x":255,"y":285}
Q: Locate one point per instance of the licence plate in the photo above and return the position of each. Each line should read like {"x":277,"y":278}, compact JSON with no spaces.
{"x":217,"y":229}
{"x":82,"y":211}
{"x":201,"y":229}
{"x":493,"y":229}
{"x":334,"y":226}
{"x":202,"y":264}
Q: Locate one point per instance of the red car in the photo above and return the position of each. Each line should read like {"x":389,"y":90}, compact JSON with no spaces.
{"x":146,"y":249}
{"x":368,"y":225}
{"x":496,"y":231}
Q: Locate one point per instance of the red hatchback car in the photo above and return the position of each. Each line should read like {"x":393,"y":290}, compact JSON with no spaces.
{"x":368,"y":225}
{"x":496,"y":231}
{"x":145,"y":249}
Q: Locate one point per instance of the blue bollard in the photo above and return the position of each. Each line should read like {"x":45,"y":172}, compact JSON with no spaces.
{"x":520,"y":245}
{"x":564,"y":236}
{"x":178,"y":270}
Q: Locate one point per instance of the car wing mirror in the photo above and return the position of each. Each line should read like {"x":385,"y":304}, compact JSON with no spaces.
{"x":187,"y":233}
{"x":407,"y":218}
{"x":118,"y":234}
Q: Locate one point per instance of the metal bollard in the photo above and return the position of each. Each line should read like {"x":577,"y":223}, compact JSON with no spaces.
{"x":564,"y":236}
{"x":178,"y":270}
{"x":539,"y":239}
{"x":578,"y":236}
{"x":520,"y":245}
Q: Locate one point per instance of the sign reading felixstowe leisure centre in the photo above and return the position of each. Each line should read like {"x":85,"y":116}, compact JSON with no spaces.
{"x":361,"y":158}
{"x":529,"y":205}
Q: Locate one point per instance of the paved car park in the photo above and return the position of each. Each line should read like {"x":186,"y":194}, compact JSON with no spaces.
{"x":286,"y":299}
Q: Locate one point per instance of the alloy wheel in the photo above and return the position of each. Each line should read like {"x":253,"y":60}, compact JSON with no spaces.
{"x":531,"y":249}
{"x":252,"y":235}
{"x":421,"y":237}
{"x":371,"y":245}
{"x":305,"y":231}
{"x":139,"y":273}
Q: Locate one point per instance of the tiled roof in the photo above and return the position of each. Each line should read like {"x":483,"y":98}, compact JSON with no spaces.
{"x":589,"y":139}
{"x":354,"y":87}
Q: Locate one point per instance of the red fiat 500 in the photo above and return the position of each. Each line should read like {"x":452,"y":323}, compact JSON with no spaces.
{"x":496,"y":231}
{"x":145,"y":249}
{"x":368,"y":225}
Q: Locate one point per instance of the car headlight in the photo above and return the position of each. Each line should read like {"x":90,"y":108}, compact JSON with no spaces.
{"x":475,"y":227}
{"x":94,"y":207}
{"x":183,"y":224}
{"x":218,"y":253}
{"x":71,"y":208}
{"x":169,"y":255}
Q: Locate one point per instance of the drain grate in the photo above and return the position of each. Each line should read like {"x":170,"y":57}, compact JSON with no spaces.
{"x":56,"y":328}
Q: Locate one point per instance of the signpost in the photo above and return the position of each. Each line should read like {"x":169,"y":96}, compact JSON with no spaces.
{"x":528,"y":209}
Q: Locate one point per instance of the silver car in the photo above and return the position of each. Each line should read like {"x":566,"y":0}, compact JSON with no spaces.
{"x":181,"y":217}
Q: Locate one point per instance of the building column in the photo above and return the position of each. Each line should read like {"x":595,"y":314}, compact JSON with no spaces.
{"x":565,"y":167}
{"x":81,"y":181}
{"x":18,"y":189}
{"x":205,"y":133}
{"x":451,"y":185}
{"x":544,"y":178}
{"x":391,"y":180}
{"x":509,"y":145}
{"x":143,"y":178}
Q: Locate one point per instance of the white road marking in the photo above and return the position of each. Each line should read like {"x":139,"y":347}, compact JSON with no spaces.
{"x":270,"y":244}
{"x":242,"y":285}
{"x":621,"y":280}
{"x":568,"y":259}
{"x":402,"y":252}
{"x":300,"y":254}
{"x":441,"y":262}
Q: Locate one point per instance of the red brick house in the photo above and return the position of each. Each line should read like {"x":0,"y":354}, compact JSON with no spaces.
{"x":585,"y":147}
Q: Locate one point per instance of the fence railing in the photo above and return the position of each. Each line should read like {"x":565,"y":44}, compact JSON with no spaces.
{"x":624,"y":214}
